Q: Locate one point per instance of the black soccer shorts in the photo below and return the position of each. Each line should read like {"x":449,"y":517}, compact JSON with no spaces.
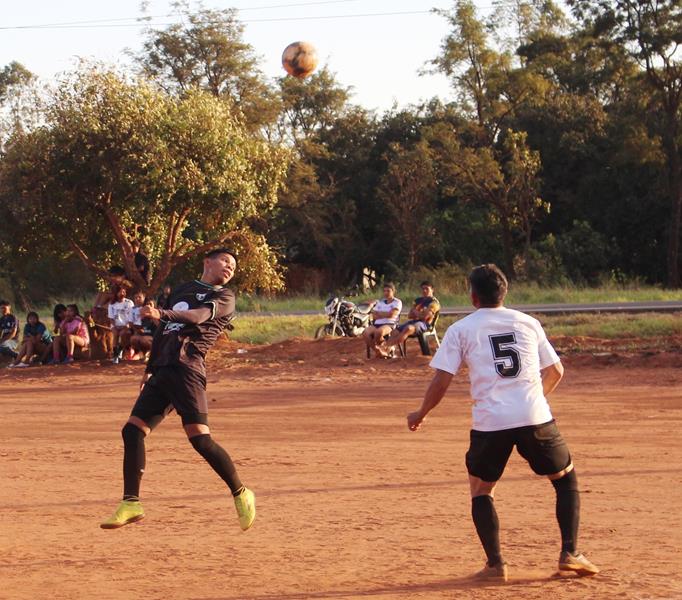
{"x":541,"y":445}
{"x":173,"y":388}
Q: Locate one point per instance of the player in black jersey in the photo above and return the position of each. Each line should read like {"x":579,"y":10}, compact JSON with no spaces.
{"x":175,"y":378}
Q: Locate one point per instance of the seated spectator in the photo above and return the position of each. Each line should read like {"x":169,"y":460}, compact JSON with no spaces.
{"x":115,"y":279}
{"x":162,"y":300}
{"x":9,"y":330}
{"x":36,"y":340}
{"x":73,"y":333}
{"x":143,"y":332}
{"x":386,"y":313}
{"x":58,"y":316}
{"x":134,"y":324}
{"x":120,"y":312}
{"x":419,"y":318}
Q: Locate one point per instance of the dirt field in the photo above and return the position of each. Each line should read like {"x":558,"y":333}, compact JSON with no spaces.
{"x":350,"y":503}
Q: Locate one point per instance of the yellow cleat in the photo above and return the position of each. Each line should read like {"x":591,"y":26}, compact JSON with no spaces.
{"x":245,"y":503}
{"x":576,"y":563}
{"x":128,"y":511}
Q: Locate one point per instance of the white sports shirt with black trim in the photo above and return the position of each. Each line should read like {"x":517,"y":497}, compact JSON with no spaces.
{"x":504,"y":350}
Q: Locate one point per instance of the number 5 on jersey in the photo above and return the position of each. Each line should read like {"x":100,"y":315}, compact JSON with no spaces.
{"x":507,"y":358}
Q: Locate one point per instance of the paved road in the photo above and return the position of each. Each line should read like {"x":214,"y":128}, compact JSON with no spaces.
{"x":558,"y":309}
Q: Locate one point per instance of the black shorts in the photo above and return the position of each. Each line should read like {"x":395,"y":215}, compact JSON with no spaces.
{"x":541,"y":445}
{"x":173,"y":388}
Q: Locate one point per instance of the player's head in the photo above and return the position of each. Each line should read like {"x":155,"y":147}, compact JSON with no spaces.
{"x":389,"y":290}
{"x":5,"y":307}
{"x":32,"y":318}
{"x":426,"y":288}
{"x":219,"y":266}
{"x":488,"y":286}
{"x":58,"y":312}
{"x":138,"y":298}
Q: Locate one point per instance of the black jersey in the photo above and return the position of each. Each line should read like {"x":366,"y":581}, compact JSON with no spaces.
{"x":186,"y":344}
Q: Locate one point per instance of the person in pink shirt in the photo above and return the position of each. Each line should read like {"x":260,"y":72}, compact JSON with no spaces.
{"x":73,"y":332}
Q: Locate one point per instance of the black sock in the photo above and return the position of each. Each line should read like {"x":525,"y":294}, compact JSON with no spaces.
{"x":219,"y":460}
{"x":488,"y":527}
{"x":133,"y":460}
{"x":568,"y":510}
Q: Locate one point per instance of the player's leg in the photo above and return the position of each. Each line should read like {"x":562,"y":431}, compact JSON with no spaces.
{"x":485,"y":460}
{"x":149,"y":410}
{"x":547,"y":454}
{"x":189,"y":400}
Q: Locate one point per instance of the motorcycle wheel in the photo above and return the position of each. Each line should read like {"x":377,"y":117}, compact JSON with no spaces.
{"x":328,"y":331}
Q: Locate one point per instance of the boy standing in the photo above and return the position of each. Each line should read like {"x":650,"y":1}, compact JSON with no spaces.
{"x":512,"y":368}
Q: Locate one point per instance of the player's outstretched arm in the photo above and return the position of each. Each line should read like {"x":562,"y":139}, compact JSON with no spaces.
{"x":434,"y":394}
{"x":551,"y":376}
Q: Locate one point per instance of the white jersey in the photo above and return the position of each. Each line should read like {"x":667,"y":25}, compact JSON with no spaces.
{"x":120,"y":312}
{"x":384,"y":307}
{"x":504,"y":350}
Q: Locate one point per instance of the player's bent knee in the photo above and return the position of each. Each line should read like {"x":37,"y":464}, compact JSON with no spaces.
{"x":196,"y":429}
{"x":480,"y":487}
{"x":202,"y":443}
{"x":139,"y":424}
{"x":131,"y":433}
{"x":568,"y":482}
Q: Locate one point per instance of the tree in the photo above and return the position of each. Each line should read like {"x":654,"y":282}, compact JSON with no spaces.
{"x":207,"y":51}
{"x":408,"y":193}
{"x":651,"y":30}
{"x":118,"y":159}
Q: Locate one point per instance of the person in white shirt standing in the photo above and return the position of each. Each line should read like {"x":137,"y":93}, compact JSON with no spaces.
{"x":512,"y":368}
{"x":386,"y":314}
{"x":120,"y":313}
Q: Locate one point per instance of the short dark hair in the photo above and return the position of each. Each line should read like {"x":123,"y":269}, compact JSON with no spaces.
{"x":117,"y":270}
{"x":74,"y":308}
{"x":5,"y":303}
{"x":57,"y":309}
{"x":389,"y":284}
{"x":116,"y":289}
{"x":426,"y":282}
{"x":216,"y":251}
{"x":489,"y":284}
{"x":33,"y":313}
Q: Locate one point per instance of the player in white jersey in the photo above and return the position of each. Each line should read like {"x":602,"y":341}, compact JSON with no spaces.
{"x":512,"y":368}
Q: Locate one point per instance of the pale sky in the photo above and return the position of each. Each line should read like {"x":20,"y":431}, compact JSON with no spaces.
{"x":378,"y":56}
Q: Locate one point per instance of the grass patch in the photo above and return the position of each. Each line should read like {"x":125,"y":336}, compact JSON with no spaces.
{"x":518,"y":294}
{"x":274,"y":329}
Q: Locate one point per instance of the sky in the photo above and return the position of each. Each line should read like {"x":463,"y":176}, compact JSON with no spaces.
{"x":378,"y":56}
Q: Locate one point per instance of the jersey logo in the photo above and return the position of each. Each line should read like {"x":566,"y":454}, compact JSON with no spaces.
{"x":201,"y":297}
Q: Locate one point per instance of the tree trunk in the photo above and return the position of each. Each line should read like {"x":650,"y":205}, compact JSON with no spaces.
{"x":675,"y":190}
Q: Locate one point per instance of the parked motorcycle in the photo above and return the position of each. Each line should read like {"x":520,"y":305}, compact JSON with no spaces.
{"x":345,"y":317}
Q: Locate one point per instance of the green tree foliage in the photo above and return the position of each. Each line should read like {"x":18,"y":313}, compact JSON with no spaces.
{"x":207,"y":51}
{"x":118,"y":159}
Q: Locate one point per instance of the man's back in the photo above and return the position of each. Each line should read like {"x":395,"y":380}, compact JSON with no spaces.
{"x":504,"y":350}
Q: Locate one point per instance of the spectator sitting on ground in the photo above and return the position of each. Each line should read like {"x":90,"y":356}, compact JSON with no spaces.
{"x":420,"y":317}
{"x":58,"y":315}
{"x":9,"y":330}
{"x":120,"y":312}
{"x":36,"y":340}
{"x":143,"y":333}
{"x":141,"y":260}
{"x":73,"y":333}
{"x":162,"y":300}
{"x":116,"y":278}
{"x":386,"y":313}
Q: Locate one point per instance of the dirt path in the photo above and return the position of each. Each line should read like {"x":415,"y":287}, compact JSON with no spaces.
{"x":350,"y":504}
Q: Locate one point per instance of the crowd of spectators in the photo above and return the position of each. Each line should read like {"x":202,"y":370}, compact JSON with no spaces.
{"x":115,"y":312}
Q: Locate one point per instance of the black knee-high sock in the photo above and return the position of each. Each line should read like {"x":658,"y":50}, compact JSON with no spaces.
{"x":568,"y":510}
{"x":488,"y":527}
{"x":219,"y":460}
{"x":133,"y":461}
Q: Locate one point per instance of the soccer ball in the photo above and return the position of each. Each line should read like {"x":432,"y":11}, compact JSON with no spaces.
{"x":299,"y":59}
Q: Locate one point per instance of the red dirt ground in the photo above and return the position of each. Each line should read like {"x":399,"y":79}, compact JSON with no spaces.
{"x":350,"y":503}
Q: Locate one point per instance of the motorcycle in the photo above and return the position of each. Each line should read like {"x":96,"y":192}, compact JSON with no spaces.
{"x":345,"y":317}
